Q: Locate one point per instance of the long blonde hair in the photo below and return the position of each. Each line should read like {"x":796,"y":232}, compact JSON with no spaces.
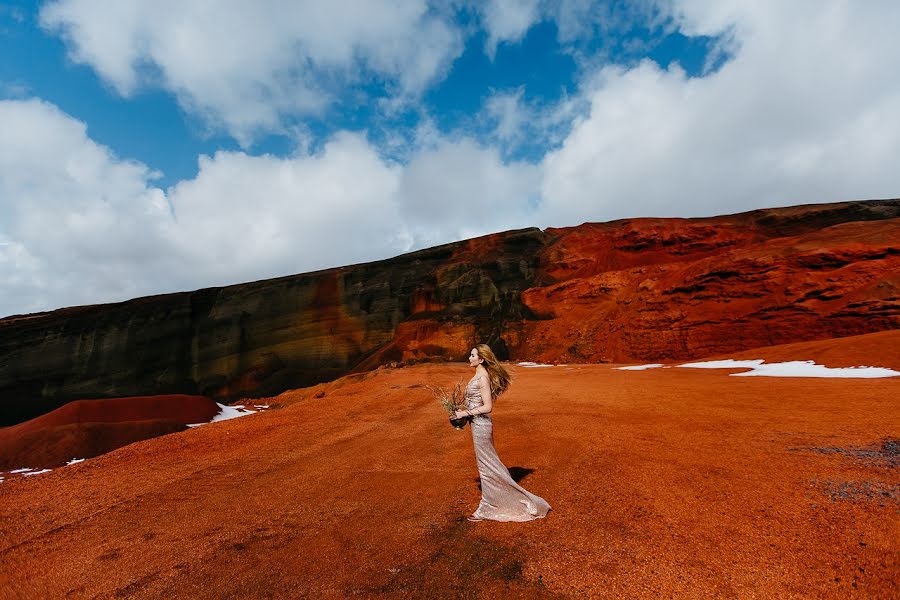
{"x":499,"y":376}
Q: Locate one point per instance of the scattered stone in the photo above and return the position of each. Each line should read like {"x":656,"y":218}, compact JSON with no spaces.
{"x":859,"y":491}
{"x":885,"y":453}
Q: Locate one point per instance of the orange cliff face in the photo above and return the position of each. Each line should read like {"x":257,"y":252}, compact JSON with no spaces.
{"x":730,"y":290}
{"x":633,"y":289}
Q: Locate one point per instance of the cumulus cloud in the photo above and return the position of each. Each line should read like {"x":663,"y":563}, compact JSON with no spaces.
{"x":803,"y":112}
{"x":75,"y":219}
{"x":507,"y":21}
{"x":81,"y":225}
{"x":507,"y":112}
{"x":516,"y":124}
{"x":248,"y":65}
{"x":459,"y":189}
{"x":246,"y":218}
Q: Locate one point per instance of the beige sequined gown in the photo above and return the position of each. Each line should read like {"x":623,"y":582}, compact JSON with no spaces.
{"x":502,"y":499}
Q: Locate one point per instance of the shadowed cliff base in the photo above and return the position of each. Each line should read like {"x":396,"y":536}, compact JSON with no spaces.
{"x":665,"y":482}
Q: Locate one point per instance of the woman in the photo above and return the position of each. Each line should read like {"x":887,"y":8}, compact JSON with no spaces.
{"x":502,"y":499}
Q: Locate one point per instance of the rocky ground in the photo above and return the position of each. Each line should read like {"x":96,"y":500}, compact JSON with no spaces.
{"x":667,"y":482}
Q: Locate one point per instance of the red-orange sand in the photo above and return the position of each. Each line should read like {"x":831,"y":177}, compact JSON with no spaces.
{"x":671,"y":482}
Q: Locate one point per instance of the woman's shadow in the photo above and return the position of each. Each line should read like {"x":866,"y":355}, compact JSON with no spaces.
{"x":517,"y":474}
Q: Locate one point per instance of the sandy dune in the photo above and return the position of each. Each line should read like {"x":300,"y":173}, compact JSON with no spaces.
{"x":666,"y":482}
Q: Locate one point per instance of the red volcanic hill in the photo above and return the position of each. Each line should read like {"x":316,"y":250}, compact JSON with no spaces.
{"x":88,"y":428}
{"x":669,"y":482}
{"x":643,"y":289}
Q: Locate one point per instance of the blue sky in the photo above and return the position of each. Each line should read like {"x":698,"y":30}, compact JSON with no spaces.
{"x":151,"y":127}
{"x":172,"y":147}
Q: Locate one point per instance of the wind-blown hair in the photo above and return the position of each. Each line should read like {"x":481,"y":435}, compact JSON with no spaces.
{"x":499,"y":376}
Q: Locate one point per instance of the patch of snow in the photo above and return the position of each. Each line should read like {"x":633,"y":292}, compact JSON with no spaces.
{"x":22,"y":470}
{"x":725,"y":364}
{"x":231,"y":412}
{"x":794,"y":368}
{"x":532,"y":364}
{"x":74,"y":461}
{"x":639,"y":367}
{"x":36,"y":472}
{"x":227,"y":412}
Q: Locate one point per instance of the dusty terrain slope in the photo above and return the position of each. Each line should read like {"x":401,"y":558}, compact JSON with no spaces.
{"x":665,"y":482}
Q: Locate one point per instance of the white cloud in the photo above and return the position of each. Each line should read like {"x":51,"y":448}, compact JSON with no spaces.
{"x":606,"y":22}
{"x":73,"y":218}
{"x":804,"y":112}
{"x":509,"y":114}
{"x":458,"y":189}
{"x":507,"y":21}
{"x":246,"y":218}
{"x":516,"y":123}
{"x":80,"y":225}
{"x":248,"y":65}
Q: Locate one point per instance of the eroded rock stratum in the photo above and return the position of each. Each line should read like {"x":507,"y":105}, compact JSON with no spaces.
{"x":634,"y":289}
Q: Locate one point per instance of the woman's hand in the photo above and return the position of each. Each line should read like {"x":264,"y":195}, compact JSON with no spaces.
{"x":460,"y":414}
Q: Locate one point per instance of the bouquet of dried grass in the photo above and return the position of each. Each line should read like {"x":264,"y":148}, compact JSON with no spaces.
{"x":452,"y":401}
